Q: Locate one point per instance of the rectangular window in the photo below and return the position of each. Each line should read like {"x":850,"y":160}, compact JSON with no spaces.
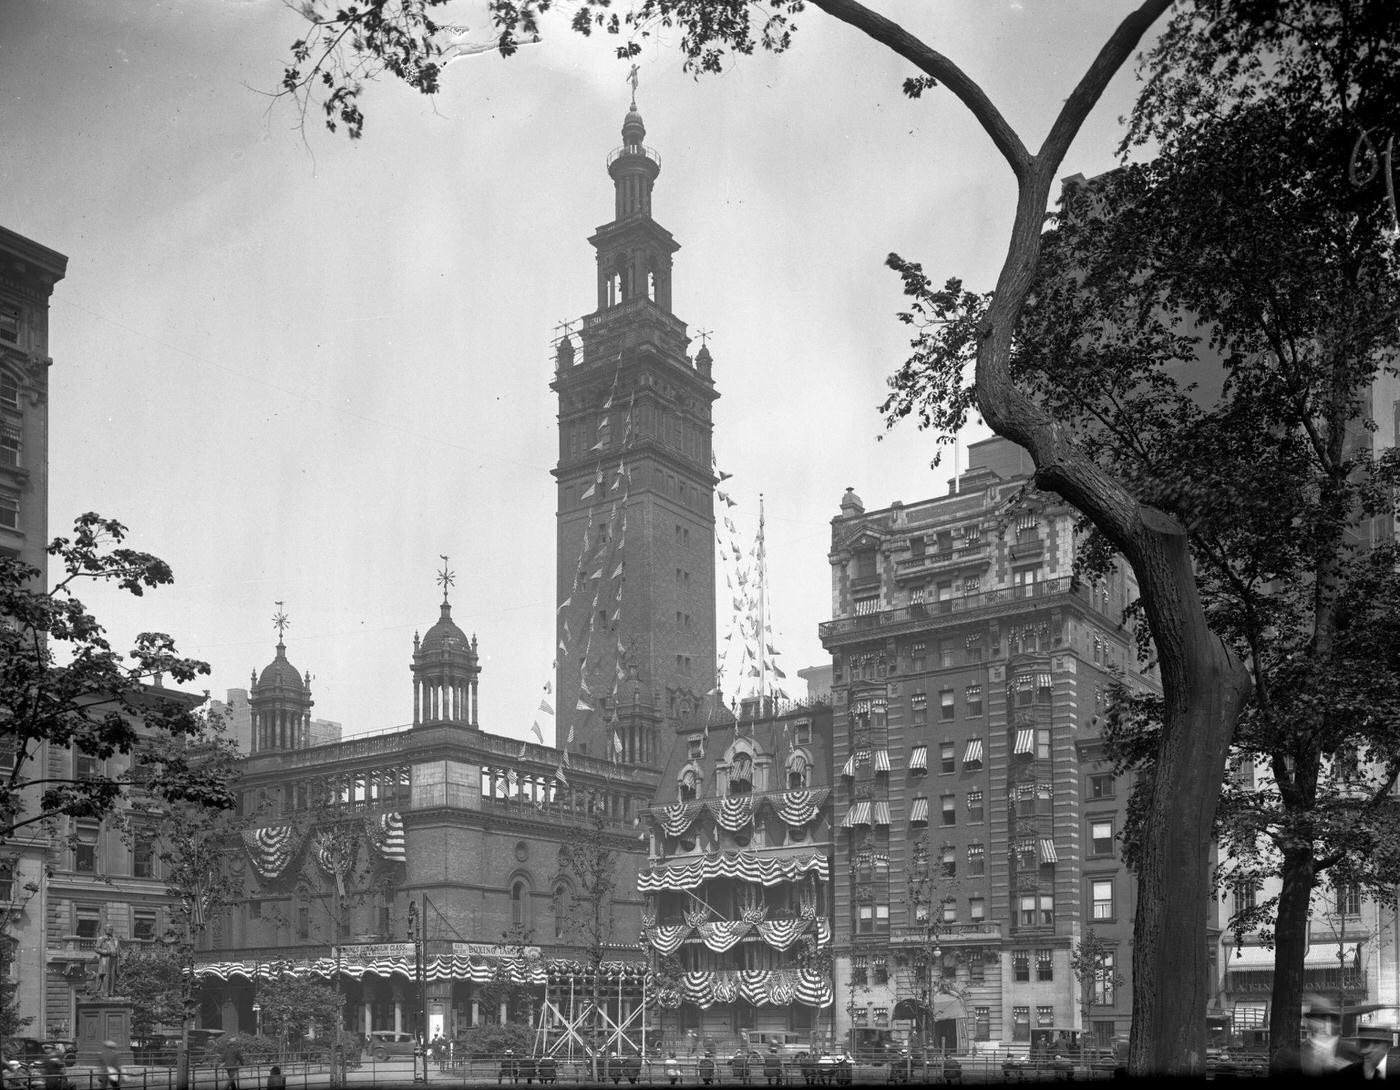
{"x":918,"y":656}
{"x":1101,"y":894}
{"x":947,"y":760}
{"x":976,"y":810}
{"x":1044,"y":1016}
{"x":9,"y":392}
{"x":972,"y":696}
{"x":860,"y":971}
{"x":880,"y":970}
{"x":1020,"y":1023}
{"x":1104,"y":981}
{"x":950,"y":809}
{"x":976,"y":860}
{"x":945,"y":653}
{"x":143,"y":856}
{"x":9,"y":509}
{"x":1101,"y":785}
{"x":802,"y":733}
{"x":1028,"y":910}
{"x":1021,"y":964}
{"x":87,"y":922}
{"x":1026,"y":520}
{"x":1044,"y":686}
{"x":1042,"y":744}
{"x":9,"y":323}
{"x":882,"y":918}
{"x":1047,"y":910}
{"x":950,"y":861}
{"x":85,"y":849}
{"x":946,"y":709}
{"x":303,"y":923}
{"x":976,"y":909}
{"x":976,"y":648}
{"x":1101,"y":837}
{"x":982,"y":1022}
{"x":7,"y":881}
{"x":972,"y":585}
{"x":950,"y":911}
{"x":143,"y":925}
{"x":86,"y":767}
{"x":1348,"y":900}
{"x":1044,"y":965}
{"x":9,"y":444}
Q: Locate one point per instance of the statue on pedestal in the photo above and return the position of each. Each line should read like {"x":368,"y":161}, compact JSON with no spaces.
{"x":108,"y":949}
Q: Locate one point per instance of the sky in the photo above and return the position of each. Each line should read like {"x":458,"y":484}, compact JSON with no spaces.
{"x":300,"y":368}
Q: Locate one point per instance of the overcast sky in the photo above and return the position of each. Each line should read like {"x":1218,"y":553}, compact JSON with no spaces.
{"x":301,"y":368}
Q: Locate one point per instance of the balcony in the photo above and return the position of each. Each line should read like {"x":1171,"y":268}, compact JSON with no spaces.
{"x":975,"y":555}
{"x":925,"y":615}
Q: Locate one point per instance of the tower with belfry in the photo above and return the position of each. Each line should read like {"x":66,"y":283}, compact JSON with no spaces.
{"x":635,"y":647}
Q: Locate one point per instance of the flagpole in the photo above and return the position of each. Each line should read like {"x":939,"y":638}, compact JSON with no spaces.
{"x":762,"y":627}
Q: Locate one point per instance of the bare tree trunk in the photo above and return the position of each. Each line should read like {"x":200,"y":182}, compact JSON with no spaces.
{"x":1290,"y":949}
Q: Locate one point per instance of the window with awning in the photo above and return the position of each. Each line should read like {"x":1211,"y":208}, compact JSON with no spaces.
{"x":1025,"y":741}
{"x":973,"y":755}
{"x":918,"y":811}
{"x":918,"y":759}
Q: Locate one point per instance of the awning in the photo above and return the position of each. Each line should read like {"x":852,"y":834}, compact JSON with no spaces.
{"x":882,"y":760}
{"x":849,"y":768}
{"x":918,"y":812}
{"x":918,"y":759}
{"x":1025,"y":740}
{"x":859,"y":815}
{"x":1047,"y":852}
{"x":882,"y":813}
{"x":974,"y":752}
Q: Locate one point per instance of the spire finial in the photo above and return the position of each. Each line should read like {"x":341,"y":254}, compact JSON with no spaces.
{"x":445,"y":578}
{"x":280,"y":621}
{"x":704,"y":335}
{"x":632,"y":79}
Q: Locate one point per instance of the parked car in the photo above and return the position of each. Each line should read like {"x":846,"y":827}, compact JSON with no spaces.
{"x":154,"y":1049}
{"x":384,"y":1043}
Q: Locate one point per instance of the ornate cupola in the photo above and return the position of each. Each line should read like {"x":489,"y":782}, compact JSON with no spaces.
{"x":445,"y":669}
{"x":280,"y":699}
{"x":634,"y":251}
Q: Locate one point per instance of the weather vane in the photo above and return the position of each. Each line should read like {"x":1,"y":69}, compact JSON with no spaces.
{"x":632,"y":79}
{"x":445,"y":578}
{"x":704,"y":335}
{"x":280,"y":621}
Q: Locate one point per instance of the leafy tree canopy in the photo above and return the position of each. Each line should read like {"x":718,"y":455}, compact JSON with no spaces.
{"x":62,"y":684}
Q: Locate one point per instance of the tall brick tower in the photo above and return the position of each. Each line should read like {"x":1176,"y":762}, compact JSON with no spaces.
{"x":636,"y":525}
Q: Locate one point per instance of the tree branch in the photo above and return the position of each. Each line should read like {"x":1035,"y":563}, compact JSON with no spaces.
{"x":942,"y":69}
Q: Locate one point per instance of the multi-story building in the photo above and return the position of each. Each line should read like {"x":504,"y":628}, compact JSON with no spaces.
{"x":977,"y":816}
{"x":737,"y":912}
{"x":28,"y":273}
{"x":438,"y":819}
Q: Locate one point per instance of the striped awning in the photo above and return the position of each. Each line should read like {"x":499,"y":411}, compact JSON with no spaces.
{"x":918,"y":812}
{"x":918,"y":759}
{"x":974,"y":752}
{"x":1047,"y":852}
{"x":882,"y":813}
{"x":882,"y":760}
{"x":859,"y":814}
{"x":849,"y":768}
{"x":1025,"y":740}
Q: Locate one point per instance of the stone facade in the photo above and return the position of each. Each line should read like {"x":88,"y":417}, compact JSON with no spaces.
{"x":976,"y":814}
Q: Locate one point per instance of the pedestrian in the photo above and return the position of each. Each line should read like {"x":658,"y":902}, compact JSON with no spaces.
{"x":507,"y":1067}
{"x":275,"y":1079}
{"x":707,"y":1069}
{"x":773,"y":1068}
{"x":844,"y":1069}
{"x":632,"y":1067}
{"x":739,"y":1064}
{"x":232,"y":1060}
{"x":111,"y":1065}
{"x":55,"y":1070}
{"x":673,"y":1068}
{"x":548,"y":1070}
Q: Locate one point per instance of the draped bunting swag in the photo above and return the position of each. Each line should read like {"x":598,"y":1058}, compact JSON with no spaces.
{"x":743,"y":865}
{"x":271,"y":848}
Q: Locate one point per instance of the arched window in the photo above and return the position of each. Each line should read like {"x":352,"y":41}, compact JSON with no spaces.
{"x":741,"y":775}
{"x":799,"y":770}
{"x":688,"y":783}
{"x":519,"y":904}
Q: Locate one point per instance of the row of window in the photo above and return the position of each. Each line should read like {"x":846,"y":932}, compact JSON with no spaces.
{"x":1033,"y":910}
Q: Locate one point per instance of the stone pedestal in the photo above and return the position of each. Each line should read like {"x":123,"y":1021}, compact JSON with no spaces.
{"x":103,"y":1019}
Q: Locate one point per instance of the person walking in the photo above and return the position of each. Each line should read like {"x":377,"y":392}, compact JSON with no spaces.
{"x":111,"y":1065}
{"x":55,"y":1070}
{"x":275,"y":1079}
{"x":231,"y":1059}
{"x":673,"y":1068}
{"x":773,"y":1067}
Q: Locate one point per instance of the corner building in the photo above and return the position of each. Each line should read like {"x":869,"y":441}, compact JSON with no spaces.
{"x":636,"y":524}
{"x":977,"y":818}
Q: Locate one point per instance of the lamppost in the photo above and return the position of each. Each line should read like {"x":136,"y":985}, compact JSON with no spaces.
{"x":417,"y":925}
